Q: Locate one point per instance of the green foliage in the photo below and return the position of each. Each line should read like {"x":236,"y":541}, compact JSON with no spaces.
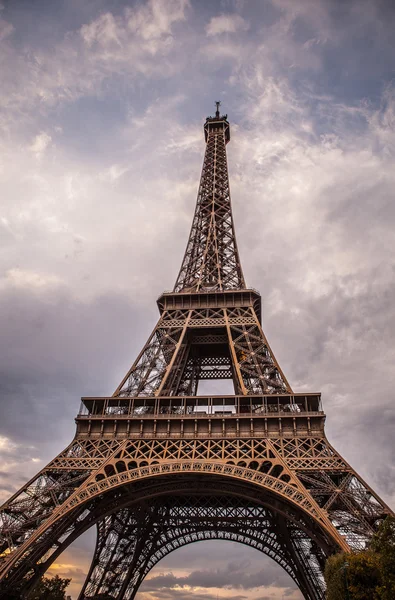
{"x":53,"y":588}
{"x":383,"y":544}
{"x":335,"y":577}
{"x":48,"y":588}
{"x":365,"y":575}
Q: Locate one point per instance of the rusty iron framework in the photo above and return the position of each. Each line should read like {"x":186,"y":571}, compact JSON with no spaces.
{"x":157,"y":466}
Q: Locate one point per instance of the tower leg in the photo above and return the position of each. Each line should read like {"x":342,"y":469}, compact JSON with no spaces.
{"x":121,"y":539}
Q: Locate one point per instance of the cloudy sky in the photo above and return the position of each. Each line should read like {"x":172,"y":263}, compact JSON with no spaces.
{"x":101,"y":144}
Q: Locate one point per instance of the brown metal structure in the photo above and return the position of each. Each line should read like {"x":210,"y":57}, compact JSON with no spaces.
{"x":156,"y":466}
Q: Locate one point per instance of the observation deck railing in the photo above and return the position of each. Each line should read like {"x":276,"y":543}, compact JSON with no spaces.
{"x":200,"y":407}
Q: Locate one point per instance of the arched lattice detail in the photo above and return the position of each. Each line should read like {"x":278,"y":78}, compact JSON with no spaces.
{"x":131,"y":542}
{"x":92,"y":488}
{"x":107,"y":481}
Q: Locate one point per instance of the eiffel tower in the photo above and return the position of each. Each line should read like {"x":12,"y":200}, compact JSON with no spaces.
{"x":157,"y":466}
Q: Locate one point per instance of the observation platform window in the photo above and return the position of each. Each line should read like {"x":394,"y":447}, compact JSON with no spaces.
{"x":245,"y":405}
{"x":258,"y":406}
{"x":225,"y":406}
{"x":143,"y":406}
{"x":117,"y":406}
{"x":272,"y":405}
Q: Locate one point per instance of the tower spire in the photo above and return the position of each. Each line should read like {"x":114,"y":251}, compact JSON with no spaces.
{"x":211,"y":260}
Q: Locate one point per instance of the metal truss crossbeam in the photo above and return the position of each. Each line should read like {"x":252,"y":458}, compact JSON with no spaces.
{"x":139,"y":539}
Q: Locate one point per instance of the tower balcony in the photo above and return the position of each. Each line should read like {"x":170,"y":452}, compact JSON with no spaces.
{"x":190,"y":300}
{"x":202,"y":416}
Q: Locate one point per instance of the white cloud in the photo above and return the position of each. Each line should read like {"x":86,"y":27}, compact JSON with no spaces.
{"x":129,"y":42}
{"x":6,"y":29}
{"x":103,"y":31}
{"x":6,"y":445}
{"x":29,"y":279}
{"x":14,"y":458}
{"x":155,"y":19}
{"x":226,"y":23}
{"x":40,"y":144}
{"x":132,"y":44}
{"x":141,"y":199}
{"x":114,"y":172}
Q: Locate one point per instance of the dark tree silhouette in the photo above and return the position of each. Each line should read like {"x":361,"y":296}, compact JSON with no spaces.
{"x":365,"y":575}
{"x":48,"y":588}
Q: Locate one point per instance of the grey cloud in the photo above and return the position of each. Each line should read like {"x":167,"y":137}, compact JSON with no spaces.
{"x":180,"y":595}
{"x":76,"y":575}
{"x":130,"y":44}
{"x":55,"y":349}
{"x":234,"y":575}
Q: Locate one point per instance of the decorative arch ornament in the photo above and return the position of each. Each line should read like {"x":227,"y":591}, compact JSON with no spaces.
{"x":99,"y":484}
{"x":176,"y":521}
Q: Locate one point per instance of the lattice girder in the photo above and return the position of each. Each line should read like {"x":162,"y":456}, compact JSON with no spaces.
{"x":177,"y":521}
{"x":117,"y":472}
{"x":211,"y":259}
{"x":144,"y":458}
{"x":36,"y":501}
{"x":171,"y":363}
{"x":66,"y":529}
{"x":104,"y":465}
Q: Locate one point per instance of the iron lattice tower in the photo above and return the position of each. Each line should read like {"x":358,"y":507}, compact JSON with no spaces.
{"x":156,"y":466}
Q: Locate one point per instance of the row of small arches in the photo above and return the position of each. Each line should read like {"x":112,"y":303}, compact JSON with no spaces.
{"x":266,"y":467}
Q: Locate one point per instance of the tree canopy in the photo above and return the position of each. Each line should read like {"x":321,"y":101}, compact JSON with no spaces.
{"x":48,"y":588}
{"x":365,"y":575}
{"x":53,"y":588}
